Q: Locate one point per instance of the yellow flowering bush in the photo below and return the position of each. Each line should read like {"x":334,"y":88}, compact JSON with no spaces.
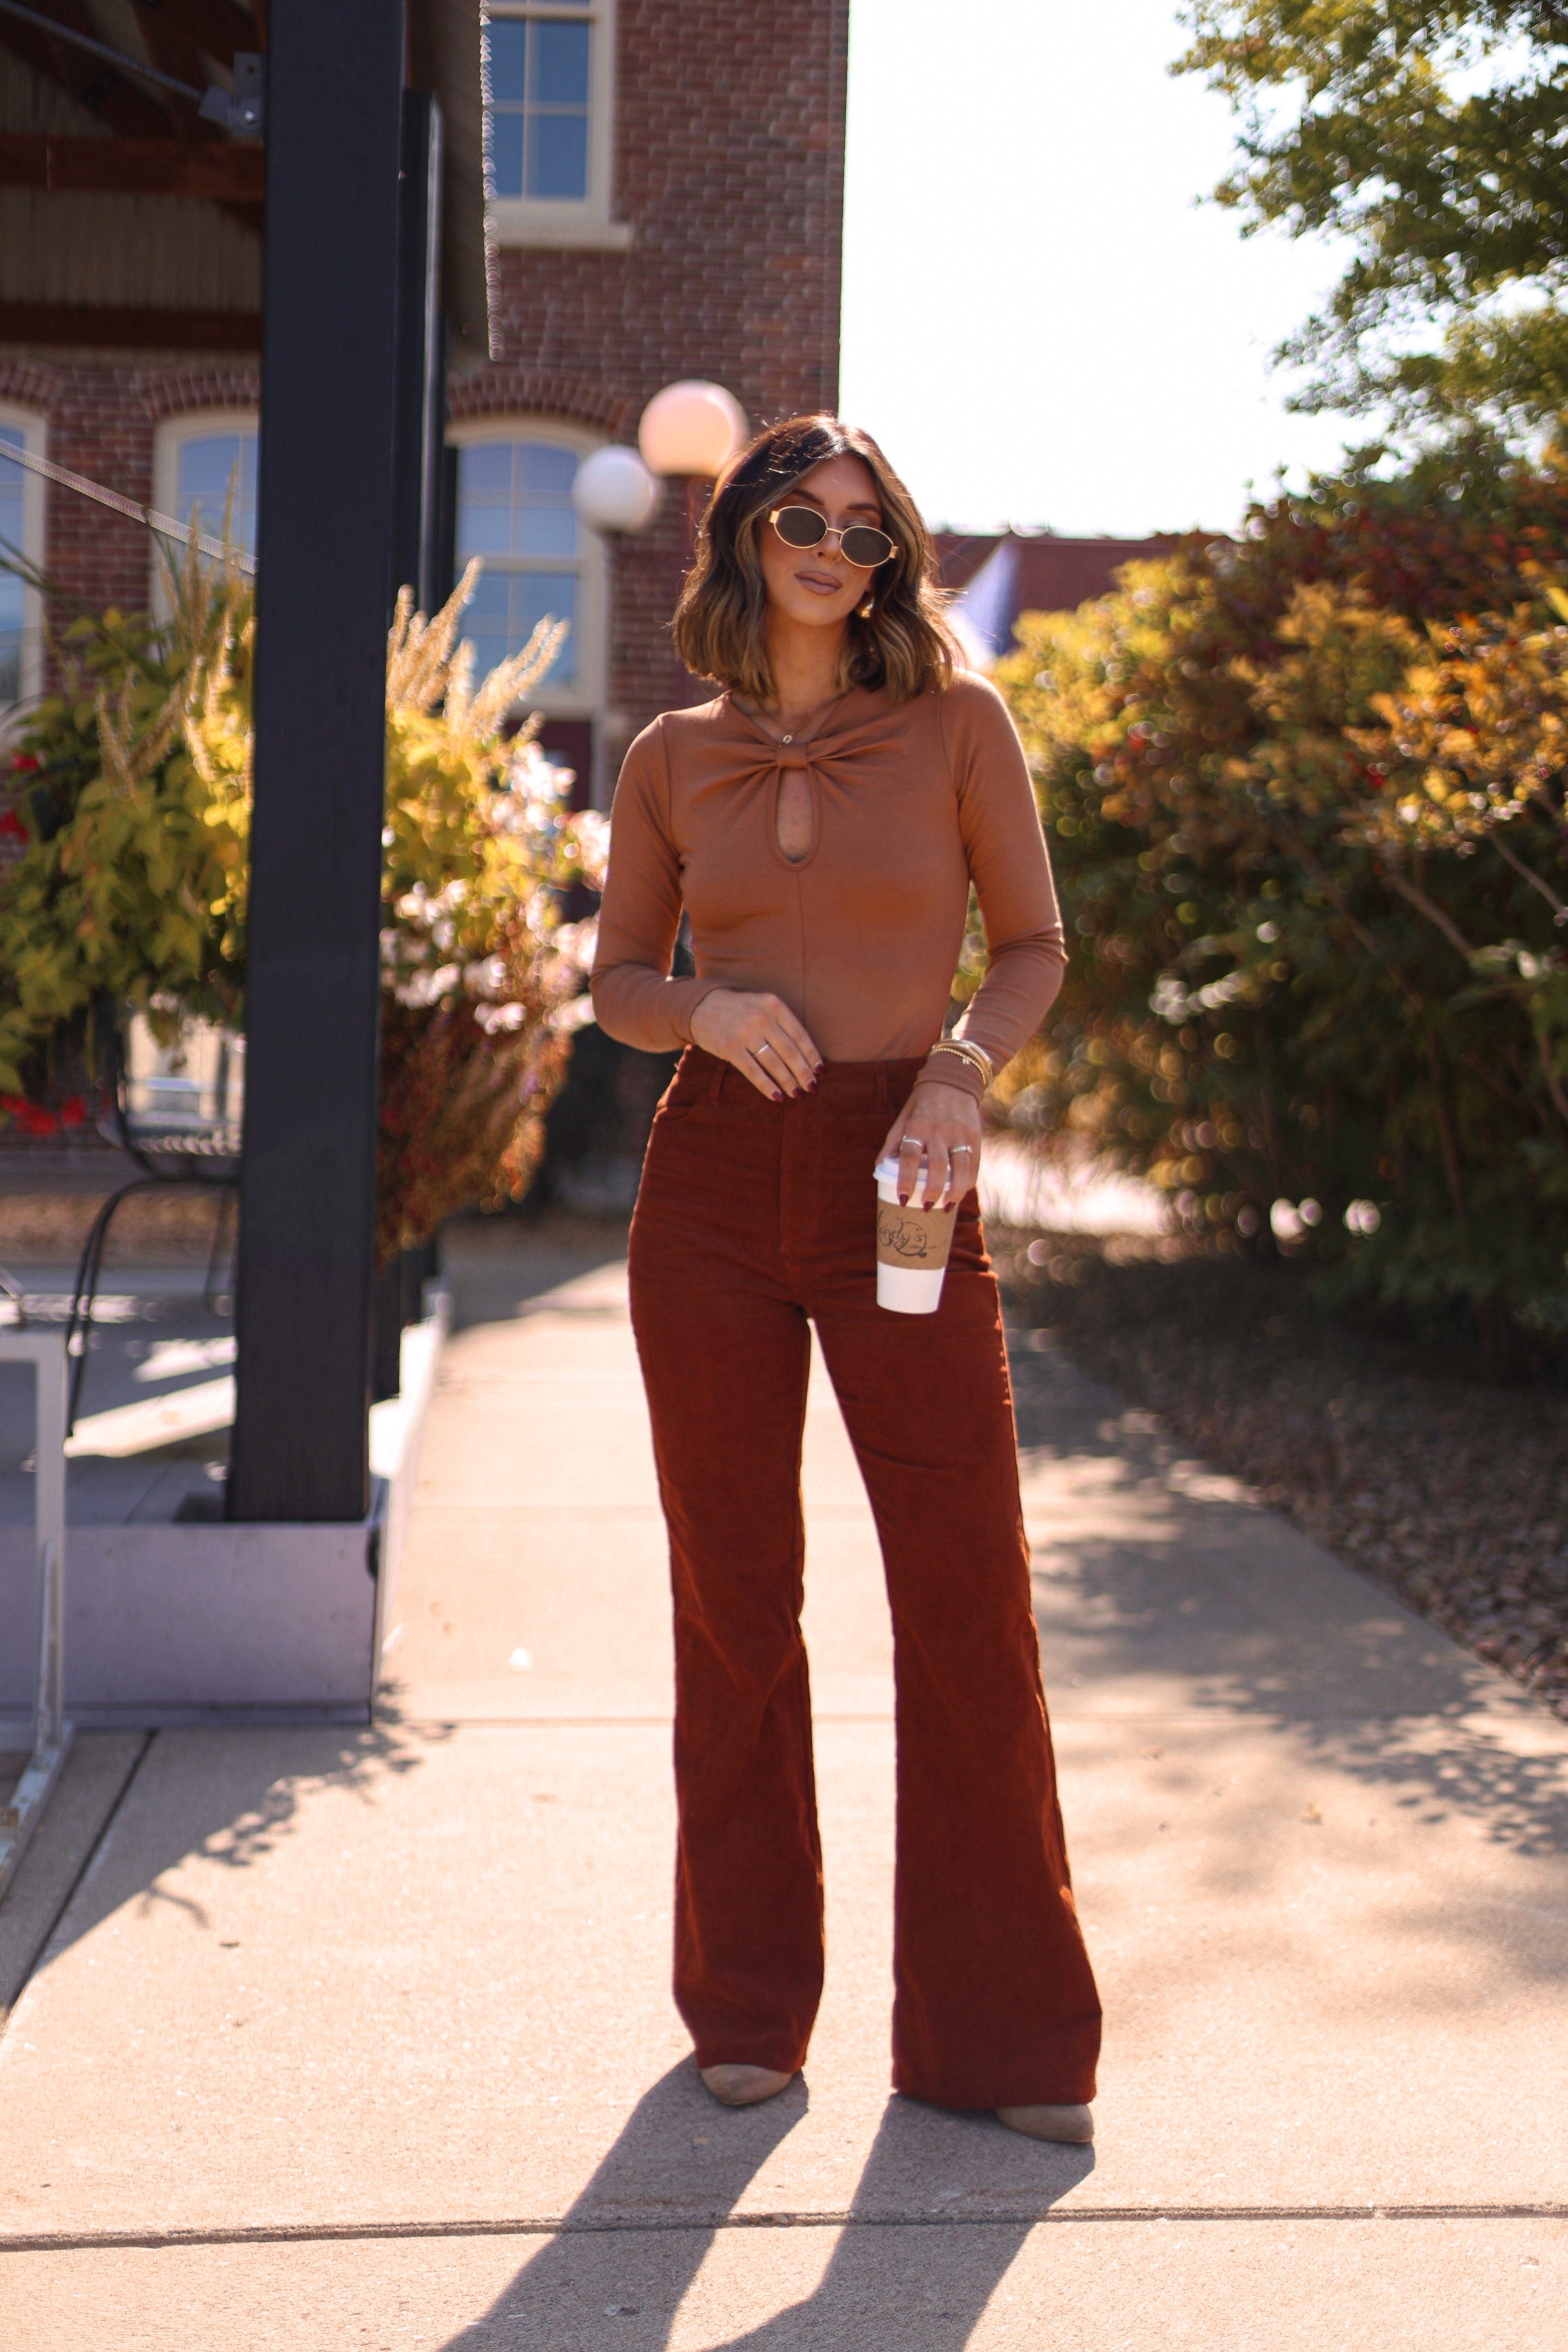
{"x":132,"y":796}
{"x":132,"y":799}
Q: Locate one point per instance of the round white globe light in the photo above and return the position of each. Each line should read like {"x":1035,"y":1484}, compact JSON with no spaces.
{"x":614,"y":492}
{"x":691,"y":428}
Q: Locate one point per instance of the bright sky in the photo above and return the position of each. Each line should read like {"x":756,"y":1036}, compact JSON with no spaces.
{"x":1040,"y":325}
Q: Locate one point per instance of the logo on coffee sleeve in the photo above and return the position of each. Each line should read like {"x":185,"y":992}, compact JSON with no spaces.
{"x":906,"y":1239}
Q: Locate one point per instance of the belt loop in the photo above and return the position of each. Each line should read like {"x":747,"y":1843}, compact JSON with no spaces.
{"x":717,"y":1087}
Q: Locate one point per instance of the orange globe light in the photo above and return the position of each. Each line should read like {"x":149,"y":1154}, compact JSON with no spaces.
{"x":691,"y":428}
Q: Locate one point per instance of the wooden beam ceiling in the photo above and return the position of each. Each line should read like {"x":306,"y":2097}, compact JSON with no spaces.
{"x":179,"y":33}
{"x":121,"y":327}
{"x":221,"y":171}
{"x":217,"y":26}
{"x":172,"y":49}
{"x":116,"y":97}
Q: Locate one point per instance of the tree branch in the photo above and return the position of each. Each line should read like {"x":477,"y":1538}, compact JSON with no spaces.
{"x":1529,"y":875}
{"x":1553,"y":1083}
{"x":1335,"y":896}
{"x":1432,"y":913}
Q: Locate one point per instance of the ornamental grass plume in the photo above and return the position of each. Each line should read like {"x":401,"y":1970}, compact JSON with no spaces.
{"x":132,"y":791}
{"x":482,"y":980}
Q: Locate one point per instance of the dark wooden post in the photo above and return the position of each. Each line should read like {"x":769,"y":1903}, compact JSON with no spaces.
{"x":434,"y":585}
{"x":421,"y":389}
{"x":324,"y":558}
{"x":416,"y":445}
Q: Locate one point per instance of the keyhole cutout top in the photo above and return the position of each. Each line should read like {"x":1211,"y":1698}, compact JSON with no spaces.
{"x":793,"y":814}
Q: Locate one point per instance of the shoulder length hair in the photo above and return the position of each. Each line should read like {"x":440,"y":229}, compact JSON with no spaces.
{"x":900,"y":643}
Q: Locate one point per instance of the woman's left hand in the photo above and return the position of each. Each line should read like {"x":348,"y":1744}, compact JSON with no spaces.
{"x":940,"y":1125}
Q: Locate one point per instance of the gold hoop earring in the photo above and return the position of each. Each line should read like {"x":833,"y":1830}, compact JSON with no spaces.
{"x":866,"y":609}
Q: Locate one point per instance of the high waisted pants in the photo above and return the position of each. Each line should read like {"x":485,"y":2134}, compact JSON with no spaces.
{"x":754,"y":1217}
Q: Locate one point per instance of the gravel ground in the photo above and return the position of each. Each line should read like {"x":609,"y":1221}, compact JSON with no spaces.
{"x":1447,"y":1489}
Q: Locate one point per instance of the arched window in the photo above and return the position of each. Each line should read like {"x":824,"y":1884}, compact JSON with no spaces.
{"x":198,"y":459}
{"x":515,"y":513}
{"x":22,"y":532}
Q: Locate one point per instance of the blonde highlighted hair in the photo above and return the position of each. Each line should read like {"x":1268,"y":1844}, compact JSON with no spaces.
{"x":902,"y":643}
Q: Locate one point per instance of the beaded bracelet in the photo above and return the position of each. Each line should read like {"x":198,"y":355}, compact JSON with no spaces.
{"x":975,"y":1055}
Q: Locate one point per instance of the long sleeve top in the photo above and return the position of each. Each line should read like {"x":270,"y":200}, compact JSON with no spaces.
{"x":910,"y":804}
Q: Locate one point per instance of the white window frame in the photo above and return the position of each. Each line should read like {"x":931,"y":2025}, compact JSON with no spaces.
{"x":585,"y":697}
{"x":187,"y":425}
{"x":34,"y":438}
{"x":586,"y":220}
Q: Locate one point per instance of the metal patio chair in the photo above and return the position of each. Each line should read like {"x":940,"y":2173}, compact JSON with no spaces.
{"x":177,"y":1112}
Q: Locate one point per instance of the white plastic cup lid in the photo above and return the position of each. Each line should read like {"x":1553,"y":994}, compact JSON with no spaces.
{"x":886,"y":1171}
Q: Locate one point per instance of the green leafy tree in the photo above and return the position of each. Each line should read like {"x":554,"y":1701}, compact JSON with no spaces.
{"x":1430,"y":133}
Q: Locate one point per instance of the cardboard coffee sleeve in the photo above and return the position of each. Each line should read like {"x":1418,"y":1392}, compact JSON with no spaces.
{"x":913,"y":1245}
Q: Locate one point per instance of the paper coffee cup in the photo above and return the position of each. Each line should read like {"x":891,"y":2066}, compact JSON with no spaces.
{"x":913,"y":1244}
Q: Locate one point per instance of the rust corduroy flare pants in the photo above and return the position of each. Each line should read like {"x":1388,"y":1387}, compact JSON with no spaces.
{"x":754,"y":1217}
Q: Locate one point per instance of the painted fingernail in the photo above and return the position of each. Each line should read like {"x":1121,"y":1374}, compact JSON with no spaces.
{"x":904,"y":1200}
{"x":777,"y":1097}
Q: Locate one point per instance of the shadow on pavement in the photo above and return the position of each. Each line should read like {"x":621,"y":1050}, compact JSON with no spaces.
{"x":495,"y":1267}
{"x":233,"y":1813}
{"x":631,"y":2247}
{"x":1177,"y":1576}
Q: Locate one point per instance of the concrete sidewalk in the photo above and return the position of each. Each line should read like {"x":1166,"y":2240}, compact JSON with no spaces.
{"x":364,"y":2039}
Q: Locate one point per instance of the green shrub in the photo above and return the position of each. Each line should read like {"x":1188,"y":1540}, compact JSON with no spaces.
{"x":1304,"y":805}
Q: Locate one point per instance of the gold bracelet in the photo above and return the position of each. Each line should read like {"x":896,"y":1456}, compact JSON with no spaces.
{"x":975,"y":1055}
{"x":967,"y":1050}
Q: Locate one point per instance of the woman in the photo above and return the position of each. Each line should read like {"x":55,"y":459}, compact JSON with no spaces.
{"x":821,"y":823}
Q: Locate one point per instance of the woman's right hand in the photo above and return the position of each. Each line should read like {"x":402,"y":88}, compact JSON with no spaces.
{"x":761,"y":1036}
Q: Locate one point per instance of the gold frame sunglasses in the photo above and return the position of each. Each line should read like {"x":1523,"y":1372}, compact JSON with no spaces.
{"x":807,"y":528}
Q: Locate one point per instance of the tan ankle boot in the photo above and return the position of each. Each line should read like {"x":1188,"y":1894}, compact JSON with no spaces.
{"x":744,"y":2087}
{"x":1074,"y":2127}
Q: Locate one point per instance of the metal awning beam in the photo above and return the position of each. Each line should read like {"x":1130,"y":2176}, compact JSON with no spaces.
{"x":67,"y":33}
{"x":165,"y":525}
{"x":215,"y":105}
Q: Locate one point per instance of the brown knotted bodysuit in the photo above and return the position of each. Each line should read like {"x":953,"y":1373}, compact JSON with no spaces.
{"x":862,"y":937}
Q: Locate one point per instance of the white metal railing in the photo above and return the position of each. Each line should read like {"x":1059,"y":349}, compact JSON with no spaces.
{"x":45,"y":1351}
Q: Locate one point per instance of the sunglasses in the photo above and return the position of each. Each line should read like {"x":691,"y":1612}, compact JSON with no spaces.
{"x":859,"y":544}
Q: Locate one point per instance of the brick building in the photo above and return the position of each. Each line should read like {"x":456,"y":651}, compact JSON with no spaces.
{"x":667,"y":196}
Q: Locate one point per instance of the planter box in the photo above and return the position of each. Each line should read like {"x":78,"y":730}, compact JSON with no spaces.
{"x":166,"y":1625}
{"x":170,"y":1624}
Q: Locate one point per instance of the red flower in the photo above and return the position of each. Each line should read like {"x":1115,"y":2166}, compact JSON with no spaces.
{"x":25,"y":759}
{"x":33,"y":1119}
{"x":11,"y":826}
